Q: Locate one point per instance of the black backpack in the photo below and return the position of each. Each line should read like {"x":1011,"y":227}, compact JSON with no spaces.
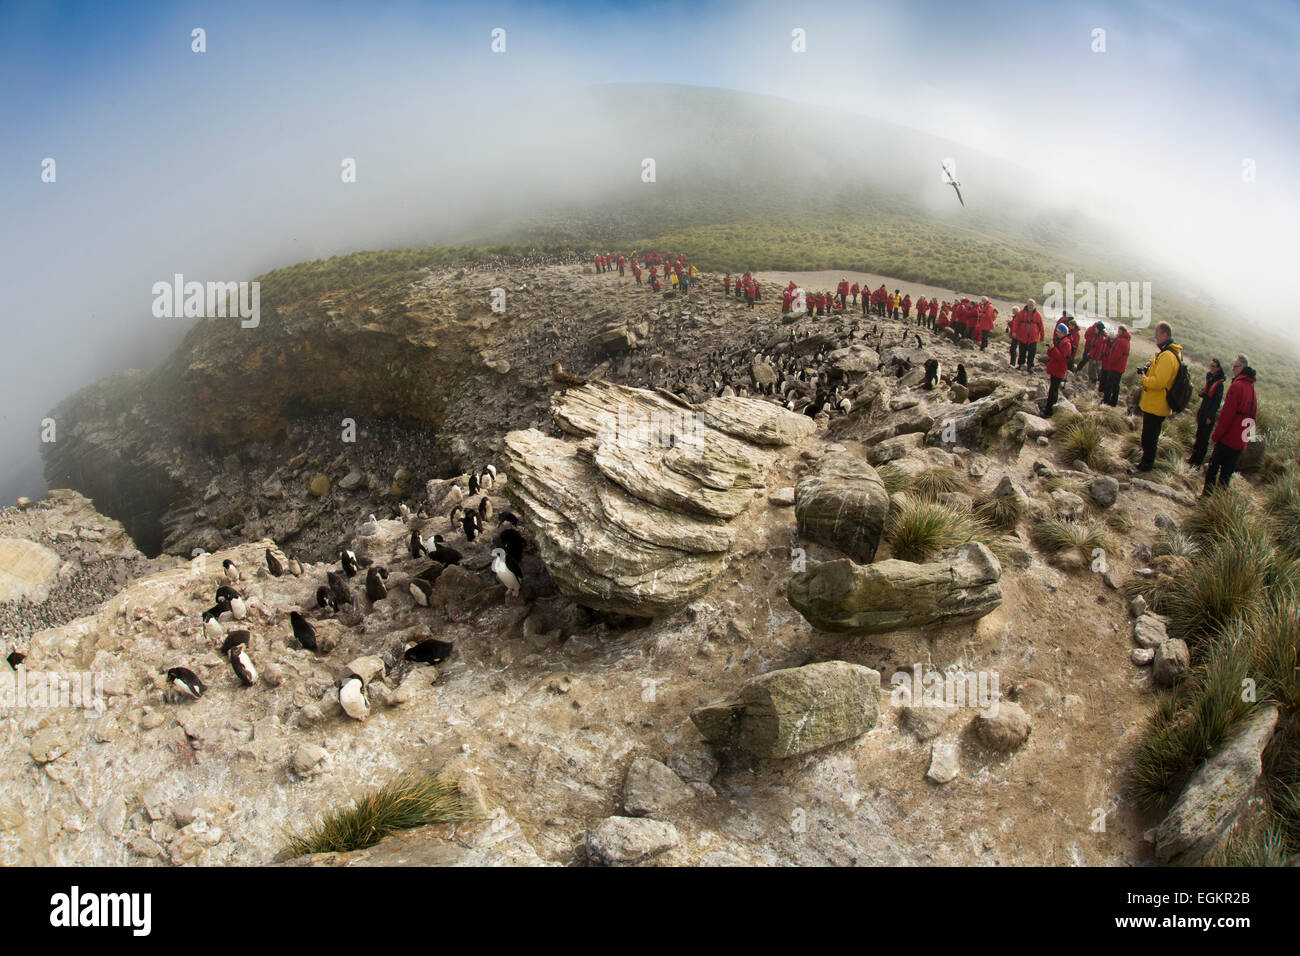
{"x":1179,"y":395}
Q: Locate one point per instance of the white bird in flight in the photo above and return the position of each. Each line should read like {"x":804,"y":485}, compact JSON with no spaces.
{"x":952,"y":181}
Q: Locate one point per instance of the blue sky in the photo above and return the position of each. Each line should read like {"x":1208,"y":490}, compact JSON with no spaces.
{"x":217,"y":164}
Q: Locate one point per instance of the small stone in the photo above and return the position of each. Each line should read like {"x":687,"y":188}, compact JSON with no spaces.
{"x":353,"y":480}
{"x":1172,"y":661}
{"x":695,"y":765}
{"x":1138,"y":606}
{"x":309,"y":760}
{"x":369,"y":668}
{"x":650,"y":789}
{"x":1149,"y":631}
{"x":1141,"y":656}
{"x":782,"y":496}
{"x":1004,"y":730}
{"x":320,"y":485}
{"x":629,"y":840}
{"x":48,"y":744}
{"x":925,"y":721}
{"x":1104,"y":490}
{"x":141,"y":845}
{"x":944,"y":765}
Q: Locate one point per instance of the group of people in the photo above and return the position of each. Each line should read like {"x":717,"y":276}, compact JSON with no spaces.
{"x":656,"y":269}
{"x":746,"y":288}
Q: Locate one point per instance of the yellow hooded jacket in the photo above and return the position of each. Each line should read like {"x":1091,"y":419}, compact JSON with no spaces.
{"x":1159,"y":379}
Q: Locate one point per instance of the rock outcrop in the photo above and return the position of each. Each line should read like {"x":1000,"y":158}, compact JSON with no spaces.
{"x":1215,"y":797}
{"x":843,"y":505}
{"x":960,"y":584}
{"x":634,"y":513}
{"x":795,"y":711}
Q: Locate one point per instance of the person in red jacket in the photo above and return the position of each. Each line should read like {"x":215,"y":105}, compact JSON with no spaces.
{"x":945,"y":317}
{"x":636,"y":273}
{"x":907,"y":307}
{"x":842,"y":291}
{"x":921,"y":305}
{"x":1095,"y":342}
{"x":1073,"y":336}
{"x":853,"y":290}
{"x":1011,"y":334}
{"x":1028,"y":333}
{"x":1058,"y":365}
{"x":786,"y":299}
{"x":726,"y":285}
{"x":1113,"y":366}
{"x":882,"y":301}
{"x":1236,"y":426}
{"x":934,"y":312}
{"x":749,"y":294}
{"x":984,"y":322}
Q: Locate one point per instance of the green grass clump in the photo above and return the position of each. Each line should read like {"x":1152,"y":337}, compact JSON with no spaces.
{"x":1172,"y":469}
{"x":895,"y":478}
{"x":412,"y":800}
{"x":1058,"y":534}
{"x":1224,"y":512}
{"x":919,"y":529}
{"x":1227,"y":583}
{"x":1175,"y":543}
{"x":1002,"y":512}
{"x":936,"y":480}
{"x":1081,"y":438}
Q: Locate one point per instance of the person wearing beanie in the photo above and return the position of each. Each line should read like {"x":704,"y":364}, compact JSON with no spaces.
{"x":1208,"y":412}
{"x":1236,"y":426}
{"x":1058,"y":365}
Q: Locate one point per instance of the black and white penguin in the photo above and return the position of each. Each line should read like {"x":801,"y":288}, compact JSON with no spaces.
{"x":303,"y":632}
{"x":420,"y":590}
{"x":352,"y":697}
{"x":349,"y":562}
{"x":185,"y":682}
{"x":230,"y":600}
{"x":510,"y":516}
{"x":339,"y":588}
{"x":961,"y":374}
{"x":325,"y":598}
{"x":235,"y":639}
{"x":230,"y":569}
{"x":932,"y":373}
{"x":430,"y":651}
{"x":273,"y":564}
{"x":491,"y":471}
{"x":507,"y":571}
{"x":471,"y":525}
{"x":369,"y":527}
{"x":415,"y":546}
{"x":440,"y":552}
{"x":243,"y":665}
{"x":14,"y":659}
{"x":473,"y":484}
{"x":212,"y":628}
{"x":484,"y":509}
{"x":455,"y":516}
{"x":375,"y":589}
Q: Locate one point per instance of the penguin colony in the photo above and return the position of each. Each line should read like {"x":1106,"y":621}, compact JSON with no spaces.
{"x":464,"y":520}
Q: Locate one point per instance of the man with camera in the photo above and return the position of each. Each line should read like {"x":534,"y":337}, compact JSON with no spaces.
{"x":1157,"y":378}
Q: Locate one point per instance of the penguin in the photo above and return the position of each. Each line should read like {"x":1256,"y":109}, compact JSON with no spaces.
{"x":295,"y":568}
{"x":212,"y":628}
{"x":230,"y":569}
{"x":352,"y":697}
{"x":14,"y":659}
{"x":473,"y":484}
{"x":186,"y":682}
{"x":348,"y":560}
{"x":430,"y":651}
{"x":235,"y":639}
{"x":961,"y":374}
{"x":455,"y":516}
{"x":303,"y":632}
{"x":492,"y":472}
{"x":415,"y":546}
{"x":375,"y":590}
{"x":228,"y":599}
{"x":403,"y":512}
{"x":471,"y":525}
{"x":512,"y":542}
{"x":243,"y":665}
{"x":504,"y":516}
{"x":454,"y":496}
{"x":369,"y":527}
{"x":507,"y":571}
{"x":339,"y":588}
{"x":325,"y":598}
{"x":225,"y":594}
{"x":484,"y":509}
{"x":932,"y":372}
{"x":420,"y":590}
{"x":273,"y":564}
{"x":487,"y":477}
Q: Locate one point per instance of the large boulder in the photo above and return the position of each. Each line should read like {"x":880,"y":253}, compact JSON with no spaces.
{"x":761,"y":423}
{"x":961,"y":584}
{"x":635,"y":512}
{"x":843,"y":505}
{"x":788,"y":712}
{"x":629,"y":840}
{"x":964,"y":423}
{"x":1218,"y":792}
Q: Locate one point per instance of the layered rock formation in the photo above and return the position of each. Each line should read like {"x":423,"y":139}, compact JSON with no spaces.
{"x":634,"y":512}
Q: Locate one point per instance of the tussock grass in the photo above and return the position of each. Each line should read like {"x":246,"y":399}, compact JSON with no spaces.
{"x":920,"y":529}
{"x":1224,"y":512}
{"x":1175,"y":544}
{"x":1081,"y":438}
{"x":1058,"y":483}
{"x":1191,"y":722}
{"x":1058,"y":534}
{"x":1171,"y":469}
{"x":1002,"y":512}
{"x":412,"y":800}
{"x":936,"y":480}
{"x":1226,"y":584}
{"x":1283,"y":509}
{"x":895,"y":478}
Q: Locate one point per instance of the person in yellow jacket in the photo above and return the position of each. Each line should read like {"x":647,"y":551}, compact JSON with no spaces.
{"x":1157,"y":378}
{"x":693,"y":273}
